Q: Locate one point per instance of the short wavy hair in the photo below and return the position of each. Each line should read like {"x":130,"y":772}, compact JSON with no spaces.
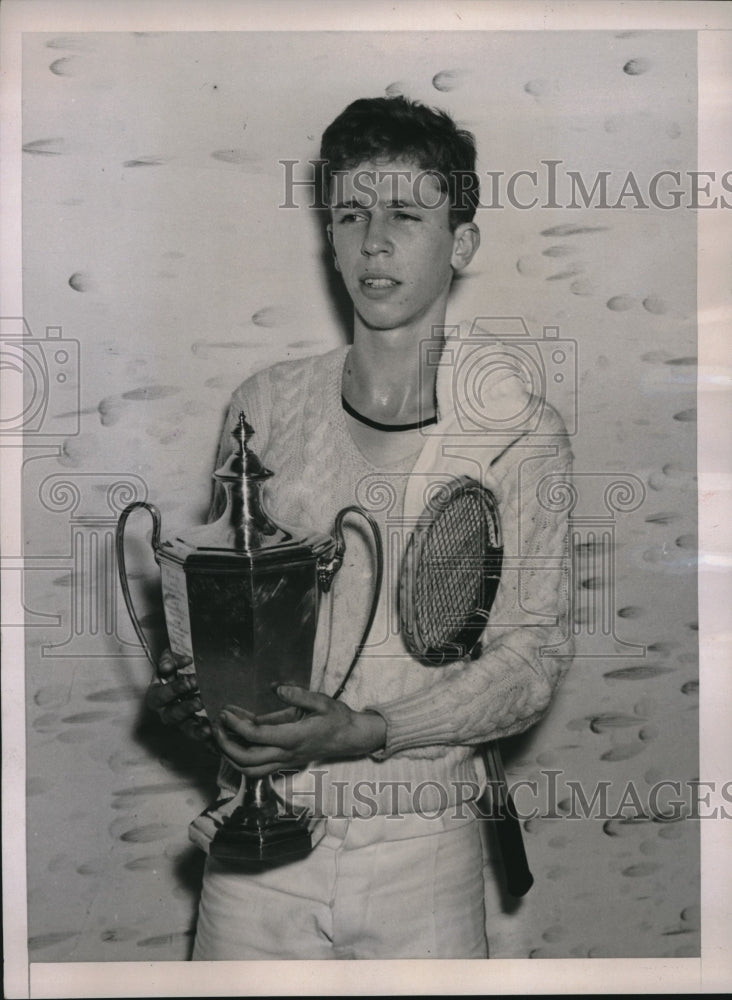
{"x":396,"y":128}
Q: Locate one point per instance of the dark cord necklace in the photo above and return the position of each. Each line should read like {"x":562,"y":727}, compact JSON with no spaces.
{"x":384,"y":427}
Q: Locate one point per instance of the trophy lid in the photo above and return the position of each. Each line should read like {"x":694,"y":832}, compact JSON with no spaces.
{"x":242,"y":464}
{"x":245,"y":530}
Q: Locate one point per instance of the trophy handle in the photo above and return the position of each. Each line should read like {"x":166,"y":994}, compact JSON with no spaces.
{"x":122,"y":569}
{"x":328,"y":569}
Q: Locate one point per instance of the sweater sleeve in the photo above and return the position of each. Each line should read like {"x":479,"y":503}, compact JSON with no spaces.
{"x":510,"y":684}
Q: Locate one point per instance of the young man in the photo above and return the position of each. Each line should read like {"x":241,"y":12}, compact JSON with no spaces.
{"x":401,"y":877}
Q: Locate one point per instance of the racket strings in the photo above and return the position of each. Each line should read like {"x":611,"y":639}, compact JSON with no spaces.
{"x":448,"y":585}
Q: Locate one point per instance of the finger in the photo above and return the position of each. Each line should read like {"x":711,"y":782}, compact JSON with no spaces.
{"x":291,"y":714}
{"x":182,"y":686}
{"x":256,"y":756}
{"x":247,"y":755}
{"x":166,"y":665}
{"x":180,"y":711}
{"x":286,"y":735}
{"x":312,"y":701}
{"x":197,"y":729}
{"x":186,"y":680}
{"x":239,"y":723}
{"x":240,"y":713}
{"x":170,"y":663}
{"x":159,"y":695}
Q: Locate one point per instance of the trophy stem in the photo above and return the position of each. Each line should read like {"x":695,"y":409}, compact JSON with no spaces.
{"x":258,"y":796}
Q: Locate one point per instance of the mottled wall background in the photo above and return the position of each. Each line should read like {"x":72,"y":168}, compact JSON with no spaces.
{"x":152,"y":238}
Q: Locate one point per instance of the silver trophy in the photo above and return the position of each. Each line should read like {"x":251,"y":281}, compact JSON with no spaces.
{"x":241,"y":599}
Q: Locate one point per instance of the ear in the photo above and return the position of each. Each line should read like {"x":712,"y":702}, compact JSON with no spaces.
{"x":466,"y":240}
{"x":329,"y":231}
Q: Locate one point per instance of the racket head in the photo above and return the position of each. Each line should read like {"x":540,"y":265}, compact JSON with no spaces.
{"x":451,"y":572}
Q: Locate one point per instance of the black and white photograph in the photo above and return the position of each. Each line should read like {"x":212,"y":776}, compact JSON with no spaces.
{"x":365,"y":448}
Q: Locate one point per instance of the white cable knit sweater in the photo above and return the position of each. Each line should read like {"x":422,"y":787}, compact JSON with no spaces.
{"x":435,"y":716}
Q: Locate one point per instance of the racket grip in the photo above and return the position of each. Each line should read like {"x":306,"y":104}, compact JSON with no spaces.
{"x":506,"y":824}
{"x":511,"y":844}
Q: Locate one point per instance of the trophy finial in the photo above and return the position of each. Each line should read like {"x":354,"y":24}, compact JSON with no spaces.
{"x":243,"y":432}
{"x":242,"y":463}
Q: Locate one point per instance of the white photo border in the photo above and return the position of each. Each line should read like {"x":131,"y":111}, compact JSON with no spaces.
{"x":713,"y":971}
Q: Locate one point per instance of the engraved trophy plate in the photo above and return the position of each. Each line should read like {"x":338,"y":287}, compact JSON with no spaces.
{"x":175,"y":605}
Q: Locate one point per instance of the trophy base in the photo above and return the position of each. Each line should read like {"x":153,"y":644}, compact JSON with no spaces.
{"x":255,"y":836}
{"x":288,"y":839}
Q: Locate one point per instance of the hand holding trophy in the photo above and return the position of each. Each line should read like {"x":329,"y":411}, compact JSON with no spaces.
{"x":241,"y":599}
{"x":174,"y":696}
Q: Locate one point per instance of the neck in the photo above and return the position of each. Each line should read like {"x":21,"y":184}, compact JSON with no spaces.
{"x":390,"y":375}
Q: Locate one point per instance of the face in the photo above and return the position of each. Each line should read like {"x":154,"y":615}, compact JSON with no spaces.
{"x":393,"y":245}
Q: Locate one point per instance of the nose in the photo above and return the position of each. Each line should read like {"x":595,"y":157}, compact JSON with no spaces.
{"x":375,"y":240}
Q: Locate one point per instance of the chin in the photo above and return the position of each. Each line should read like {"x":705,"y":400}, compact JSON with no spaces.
{"x":382,"y":325}
{"x":378,"y":320}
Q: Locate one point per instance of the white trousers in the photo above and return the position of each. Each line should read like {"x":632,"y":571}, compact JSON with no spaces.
{"x":374,"y":888}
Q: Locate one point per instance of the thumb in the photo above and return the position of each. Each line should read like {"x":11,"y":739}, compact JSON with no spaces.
{"x":312,"y":701}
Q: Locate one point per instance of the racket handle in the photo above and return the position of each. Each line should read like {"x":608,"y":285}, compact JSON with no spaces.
{"x":511,"y":843}
{"x":507,"y":826}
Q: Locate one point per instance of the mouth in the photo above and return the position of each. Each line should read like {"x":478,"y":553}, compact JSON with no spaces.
{"x":378,"y":283}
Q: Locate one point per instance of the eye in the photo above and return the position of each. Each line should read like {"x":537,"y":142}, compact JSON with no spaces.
{"x":350,"y":217}
{"x":406,"y":216}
